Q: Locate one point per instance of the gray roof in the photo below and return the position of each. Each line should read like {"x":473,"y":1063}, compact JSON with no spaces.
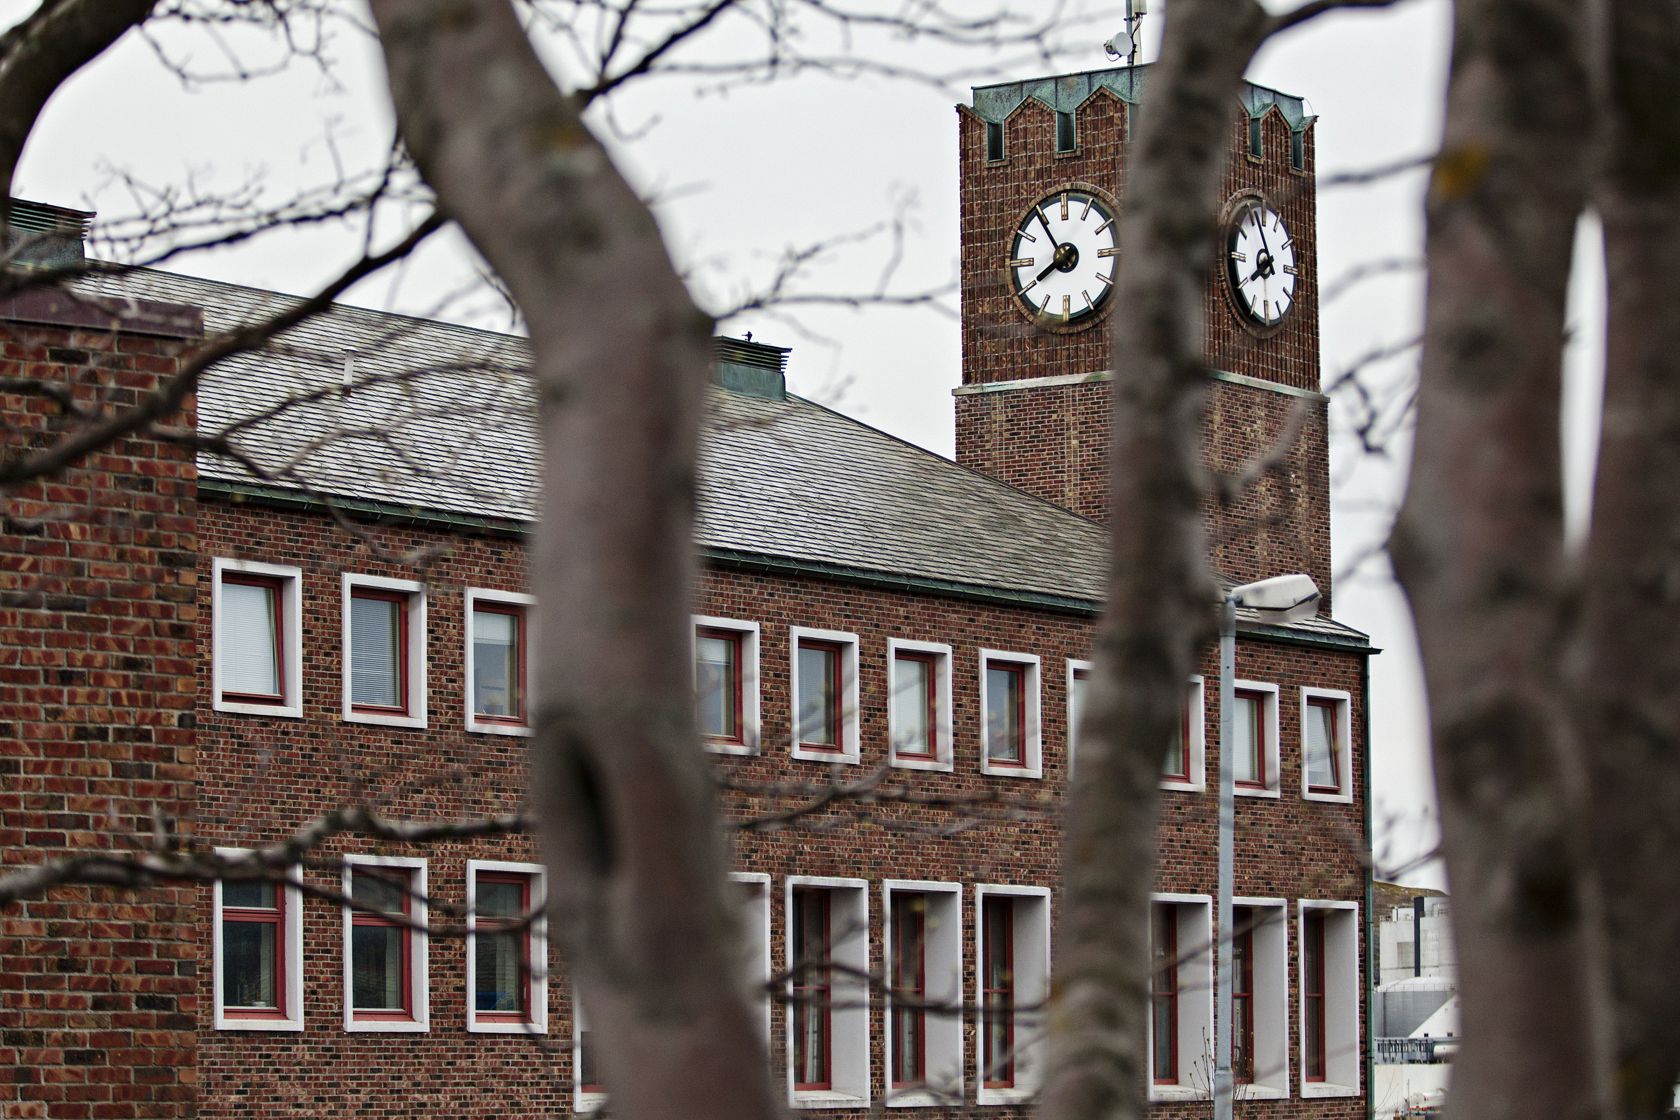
{"x":1065,"y":93}
{"x":441,"y":417}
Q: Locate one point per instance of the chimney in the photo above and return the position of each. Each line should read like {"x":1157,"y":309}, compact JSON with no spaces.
{"x":43,"y":236}
{"x":750,"y":369}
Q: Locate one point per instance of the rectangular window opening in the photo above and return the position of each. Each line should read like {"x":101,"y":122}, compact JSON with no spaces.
{"x":1006,"y":713}
{"x":1298,"y":150}
{"x":1312,"y":994}
{"x":813,"y":995}
{"x":499,"y":663}
{"x":915,"y":705}
{"x":1249,"y":724}
{"x":253,"y":950}
{"x":718,"y":684}
{"x":821,"y":688}
{"x":1256,"y":139}
{"x":1242,"y":994}
{"x":379,"y":651}
{"x":502,"y":957}
{"x":997,"y":991}
{"x":1163,"y":994}
{"x":994,"y":142}
{"x":1323,"y":769}
{"x":253,"y":633}
{"x":909,"y":989}
{"x":1065,"y":138}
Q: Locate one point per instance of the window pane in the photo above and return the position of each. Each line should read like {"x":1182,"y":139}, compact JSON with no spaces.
{"x":812,"y":996}
{"x":1003,"y":714}
{"x":1076,"y":708}
{"x":908,"y":986}
{"x":495,"y":664}
{"x":498,"y":899}
{"x":250,"y":641}
{"x":497,"y":971}
{"x":371,"y":892}
{"x":717,"y":686}
{"x":911,"y":705}
{"x":1177,"y":764}
{"x":1321,"y":750}
{"x":248,"y":971}
{"x":1163,"y":985}
{"x":249,"y":894}
{"x":998,"y":991}
{"x":376,"y":968}
{"x":375,"y":654}
{"x":1246,"y":738}
{"x":819,"y":721}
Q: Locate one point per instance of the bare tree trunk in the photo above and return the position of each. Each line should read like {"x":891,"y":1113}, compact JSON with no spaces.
{"x":1627,"y":707}
{"x":620,"y":359}
{"x":1160,"y":595}
{"x":1478,"y":547}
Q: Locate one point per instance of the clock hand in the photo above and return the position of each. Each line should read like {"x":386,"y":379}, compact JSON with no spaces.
{"x":1260,"y":224}
{"x":1045,"y":222}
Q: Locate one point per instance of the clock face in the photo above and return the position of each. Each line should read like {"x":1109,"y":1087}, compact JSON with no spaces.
{"x":1062,"y":258}
{"x":1259,"y":261}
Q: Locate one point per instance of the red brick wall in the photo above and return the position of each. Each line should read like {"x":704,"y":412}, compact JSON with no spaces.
{"x":262,"y":776}
{"x":1053,"y":440}
{"x":98,"y":610}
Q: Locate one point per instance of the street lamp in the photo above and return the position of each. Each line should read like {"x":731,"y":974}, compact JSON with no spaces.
{"x":1280,"y":600}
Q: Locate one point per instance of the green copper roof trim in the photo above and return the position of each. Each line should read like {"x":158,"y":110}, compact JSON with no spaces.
{"x":1066,"y":92}
{"x":391,"y":513}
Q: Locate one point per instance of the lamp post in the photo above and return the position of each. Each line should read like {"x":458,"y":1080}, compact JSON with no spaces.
{"x":1280,"y":600}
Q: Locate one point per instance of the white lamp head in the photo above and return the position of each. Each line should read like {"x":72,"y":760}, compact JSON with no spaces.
{"x":1289,"y":598}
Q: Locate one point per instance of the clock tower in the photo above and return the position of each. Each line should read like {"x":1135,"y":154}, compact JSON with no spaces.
{"x":1043,"y":177}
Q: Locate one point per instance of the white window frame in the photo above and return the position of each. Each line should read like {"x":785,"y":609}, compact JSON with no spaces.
{"x":942,"y":973}
{"x":1270,"y":1000}
{"x":755,"y":927}
{"x":750,"y":701}
{"x":848,"y":916}
{"x":291,"y":945}
{"x":419,"y":976}
{"x":1193,"y":914}
{"x":291,"y":616}
{"x":416,"y":592}
{"x":850,"y":737}
{"x":1034,"y":729}
{"x":1342,"y":1040}
{"x":1269,"y":722}
{"x":527,"y":605}
{"x":1075,"y":666}
{"x":1195,"y":781}
{"x":538,"y":955}
{"x":944,"y":755}
{"x":1031,"y":960}
{"x":1343,"y":746}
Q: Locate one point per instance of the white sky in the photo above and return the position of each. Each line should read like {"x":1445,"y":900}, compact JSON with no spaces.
{"x":742,"y":174}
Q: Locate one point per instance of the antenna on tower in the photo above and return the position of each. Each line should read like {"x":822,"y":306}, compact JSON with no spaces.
{"x":1126,"y":43}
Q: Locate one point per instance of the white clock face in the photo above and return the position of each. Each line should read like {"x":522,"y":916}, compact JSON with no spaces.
{"x":1260,"y":262}
{"x":1063,"y":256}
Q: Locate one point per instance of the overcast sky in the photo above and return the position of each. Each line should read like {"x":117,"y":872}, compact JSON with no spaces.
{"x":742,"y":173}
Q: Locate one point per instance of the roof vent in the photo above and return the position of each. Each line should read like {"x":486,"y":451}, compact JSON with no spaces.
{"x":43,"y":236}
{"x":750,"y":368}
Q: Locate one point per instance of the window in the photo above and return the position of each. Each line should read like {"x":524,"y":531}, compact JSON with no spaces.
{"x":1010,"y":742}
{"x":1326,"y":745}
{"x":1260,"y":998}
{"x":498,"y":661}
{"x":828,"y":1012}
{"x":994,"y":142}
{"x":726,"y":684}
{"x":825,"y":695}
{"x":919,"y":712}
{"x":507,"y":948}
{"x":1255,"y":739}
{"x":1298,"y":150}
{"x":1180,"y":995}
{"x":1065,"y":136}
{"x":384,"y":651}
{"x":1013,"y":982}
{"x":1256,"y":139}
{"x":589,"y":1090}
{"x":385,"y":985}
{"x":257,"y":654}
{"x":1078,"y":681}
{"x":1330,"y":1039}
{"x":924,"y":998}
{"x":258,"y":978}
{"x":1183,"y":768}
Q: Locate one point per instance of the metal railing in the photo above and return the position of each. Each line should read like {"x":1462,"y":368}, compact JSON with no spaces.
{"x":1415,"y":1051}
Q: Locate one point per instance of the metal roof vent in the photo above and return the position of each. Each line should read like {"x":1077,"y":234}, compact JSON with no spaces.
{"x":750,"y":368}
{"x":43,"y":236}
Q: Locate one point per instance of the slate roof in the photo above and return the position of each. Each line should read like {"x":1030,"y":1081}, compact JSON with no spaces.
{"x":441,"y":418}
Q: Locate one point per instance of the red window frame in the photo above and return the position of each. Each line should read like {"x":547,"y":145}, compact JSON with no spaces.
{"x":1163,"y":989}
{"x":527,"y":966}
{"x":836,"y":678}
{"x":262,"y":915}
{"x":521,"y":716}
{"x":358,"y":917}
{"x":1312,"y":995}
{"x":931,"y":661}
{"x":405,"y":602}
{"x":1334,"y":708}
{"x":1261,"y":779}
{"x":1243,"y":920}
{"x":813,"y":986}
{"x":909,"y":987}
{"x":737,"y":647}
{"x":997,"y":992}
{"x":1017,"y":672}
{"x":1182,"y":774}
{"x":276,"y":584}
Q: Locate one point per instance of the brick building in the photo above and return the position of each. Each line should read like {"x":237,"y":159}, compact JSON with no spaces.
{"x":337,"y":615}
